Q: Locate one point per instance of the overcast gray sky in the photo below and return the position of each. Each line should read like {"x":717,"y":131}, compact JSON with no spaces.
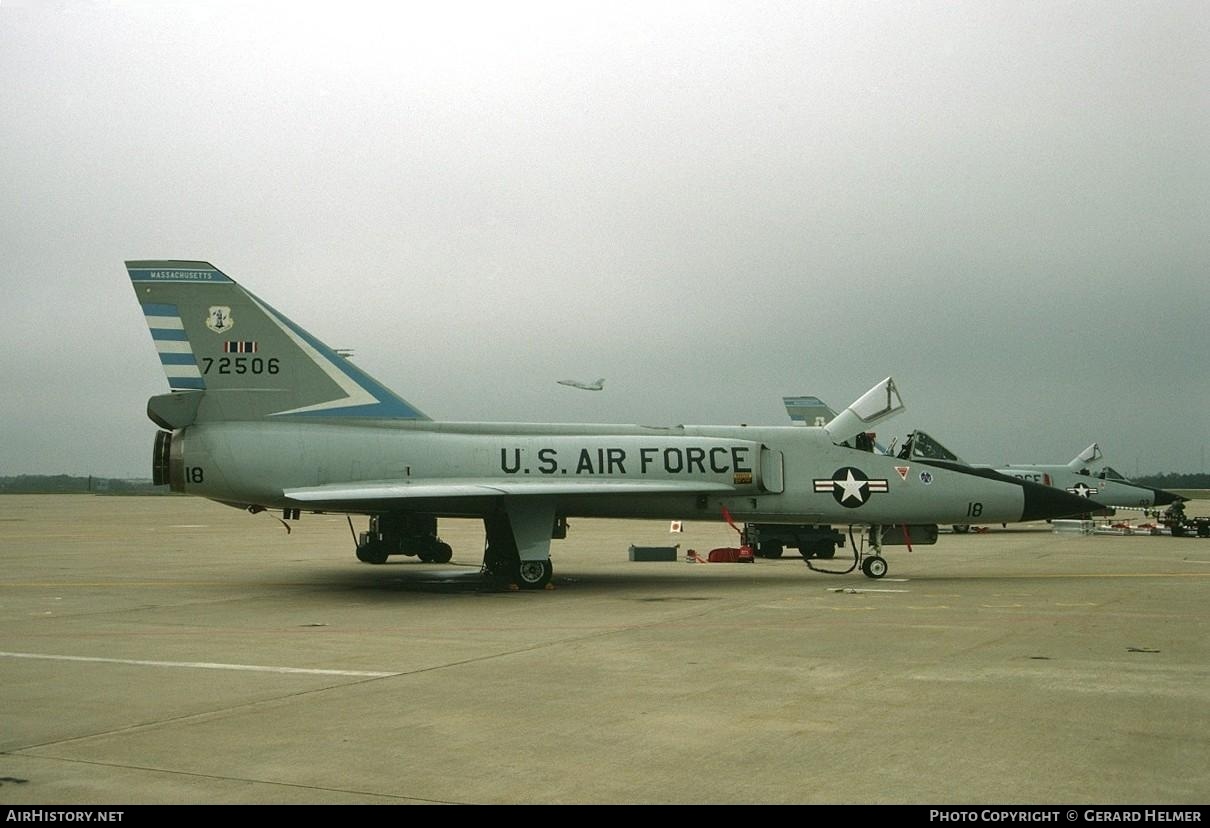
{"x":1004,"y":205}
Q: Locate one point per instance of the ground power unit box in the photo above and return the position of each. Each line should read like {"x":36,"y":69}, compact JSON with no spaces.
{"x":653,"y":553}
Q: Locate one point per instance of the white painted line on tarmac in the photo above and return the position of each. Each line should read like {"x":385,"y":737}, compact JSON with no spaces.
{"x":860,"y":590}
{"x":204,"y":665}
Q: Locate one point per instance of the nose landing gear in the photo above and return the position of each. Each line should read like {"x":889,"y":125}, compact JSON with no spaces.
{"x":873,"y":566}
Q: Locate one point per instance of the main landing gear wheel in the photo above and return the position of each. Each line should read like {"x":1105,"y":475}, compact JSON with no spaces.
{"x":874,"y":566}
{"x":372,"y":553}
{"x":534,"y":574}
{"x":439,"y":552}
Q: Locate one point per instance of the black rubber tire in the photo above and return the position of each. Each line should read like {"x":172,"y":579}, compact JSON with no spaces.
{"x":874,"y":566}
{"x":534,"y":574}
{"x":372,"y":553}
{"x":770,"y":550}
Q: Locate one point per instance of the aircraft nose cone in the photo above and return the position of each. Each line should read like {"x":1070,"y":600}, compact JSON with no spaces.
{"x":1047,"y":503}
{"x":1163,"y":498}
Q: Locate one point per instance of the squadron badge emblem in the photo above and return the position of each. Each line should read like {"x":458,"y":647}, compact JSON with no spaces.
{"x":218,"y":319}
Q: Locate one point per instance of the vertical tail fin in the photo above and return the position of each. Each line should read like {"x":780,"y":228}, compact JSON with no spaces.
{"x":808,"y":411}
{"x":242,"y":359}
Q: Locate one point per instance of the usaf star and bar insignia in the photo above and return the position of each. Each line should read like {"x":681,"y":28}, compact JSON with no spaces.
{"x":850,"y":486}
{"x":1083,"y":490}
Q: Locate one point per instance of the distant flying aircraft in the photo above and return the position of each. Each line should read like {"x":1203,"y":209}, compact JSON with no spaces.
{"x":584,"y":386}
{"x":262,"y":415}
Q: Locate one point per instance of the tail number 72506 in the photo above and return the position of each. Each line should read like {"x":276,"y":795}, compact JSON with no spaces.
{"x":241,"y":365}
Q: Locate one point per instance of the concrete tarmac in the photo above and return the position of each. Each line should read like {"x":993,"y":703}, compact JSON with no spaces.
{"x":171,"y":650}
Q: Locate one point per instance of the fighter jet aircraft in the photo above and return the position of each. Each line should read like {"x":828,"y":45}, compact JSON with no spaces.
{"x":1085,"y":476}
{"x":584,"y":386}
{"x":1082,"y":476}
{"x":262,"y":414}
{"x":1106,"y":486}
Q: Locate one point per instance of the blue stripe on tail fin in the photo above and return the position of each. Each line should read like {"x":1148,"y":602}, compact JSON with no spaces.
{"x":176,"y":355}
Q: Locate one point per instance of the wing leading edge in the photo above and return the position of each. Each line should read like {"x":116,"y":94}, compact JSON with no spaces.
{"x":380,"y":491}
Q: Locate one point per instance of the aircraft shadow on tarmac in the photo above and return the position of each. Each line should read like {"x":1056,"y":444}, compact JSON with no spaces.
{"x":466,"y":579}
{"x":674,"y":582}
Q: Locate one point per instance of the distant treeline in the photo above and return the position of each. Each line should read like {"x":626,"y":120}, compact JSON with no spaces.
{"x":70,"y":484}
{"x":1175,"y":481}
